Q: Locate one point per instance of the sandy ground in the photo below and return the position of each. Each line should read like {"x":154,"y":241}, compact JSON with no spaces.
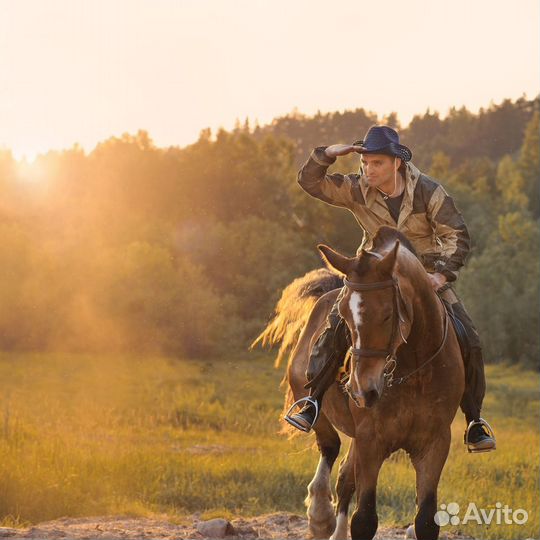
{"x":279,"y":525}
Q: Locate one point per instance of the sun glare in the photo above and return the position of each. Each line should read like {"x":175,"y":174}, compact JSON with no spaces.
{"x":30,"y":171}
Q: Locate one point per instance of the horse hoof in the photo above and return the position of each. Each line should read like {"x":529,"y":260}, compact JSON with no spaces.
{"x":410,"y":532}
{"x":322,"y":529}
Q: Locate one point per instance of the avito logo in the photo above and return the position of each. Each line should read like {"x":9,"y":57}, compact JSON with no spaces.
{"x":449,"y":514}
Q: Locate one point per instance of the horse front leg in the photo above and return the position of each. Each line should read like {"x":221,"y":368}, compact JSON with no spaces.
{"x":344,"y":491}
{"x":320,"y":511}
{"x":429,"y":464}
{"x":367,"y":464}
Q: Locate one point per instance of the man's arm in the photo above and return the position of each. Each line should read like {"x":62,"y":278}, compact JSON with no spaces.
{"x":334,"y":189}
{"x":449,"y":227}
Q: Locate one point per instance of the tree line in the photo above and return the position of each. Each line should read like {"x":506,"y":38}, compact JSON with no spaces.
{"x":184,"y":251}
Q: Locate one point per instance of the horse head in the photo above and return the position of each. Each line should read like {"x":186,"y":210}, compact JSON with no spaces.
{"x":378,"y":316}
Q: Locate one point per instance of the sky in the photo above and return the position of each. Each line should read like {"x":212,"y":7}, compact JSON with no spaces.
{"x":76,"y":71}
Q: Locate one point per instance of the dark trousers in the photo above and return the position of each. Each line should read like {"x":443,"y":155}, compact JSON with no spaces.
{"x":475,"y":381}
{"x":331,"y":346}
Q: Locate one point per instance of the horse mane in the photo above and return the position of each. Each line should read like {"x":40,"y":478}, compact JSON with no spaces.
{"x":293,"y":309}
{"x":386,"y":235}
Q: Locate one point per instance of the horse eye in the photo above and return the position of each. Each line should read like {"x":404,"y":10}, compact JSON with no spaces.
{"x":387,"y":318}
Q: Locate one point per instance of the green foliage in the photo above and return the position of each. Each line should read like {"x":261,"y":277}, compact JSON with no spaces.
{"x":511,"y":185}
{"x":529,"y":163}
{"x":185,"y":250}
{"x":501,"y":289}
{"x":501,"y":283}
{"x":462,"y":135}
{"x":253,"y":259}
{"x":162,"y":304}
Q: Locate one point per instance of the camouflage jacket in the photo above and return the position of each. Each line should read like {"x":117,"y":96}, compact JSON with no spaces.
{"x":428,"y":216}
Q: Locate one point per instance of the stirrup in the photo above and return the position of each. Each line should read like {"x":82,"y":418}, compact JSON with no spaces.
{"x":489,"y":429}
{"x":288,"y":418}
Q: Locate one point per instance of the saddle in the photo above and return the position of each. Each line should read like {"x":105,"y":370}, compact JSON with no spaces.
{"x":461,"y":332}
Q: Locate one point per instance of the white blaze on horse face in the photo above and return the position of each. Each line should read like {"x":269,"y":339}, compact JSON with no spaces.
{"x":354,"y":306}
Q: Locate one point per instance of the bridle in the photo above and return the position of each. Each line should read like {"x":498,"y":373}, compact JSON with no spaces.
{"x":397,"y":318}
{"x":390,"y":353}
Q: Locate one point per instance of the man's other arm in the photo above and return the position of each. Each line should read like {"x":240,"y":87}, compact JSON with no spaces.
{"x":450,"y":229}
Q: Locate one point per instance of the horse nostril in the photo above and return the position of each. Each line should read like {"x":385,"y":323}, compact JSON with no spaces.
{"x":371,"y":397}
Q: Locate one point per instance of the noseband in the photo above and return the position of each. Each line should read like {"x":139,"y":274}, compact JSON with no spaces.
{"x":397,"y":317}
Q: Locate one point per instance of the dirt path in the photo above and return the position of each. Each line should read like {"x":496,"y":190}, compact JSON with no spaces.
{"x":279,"y":525}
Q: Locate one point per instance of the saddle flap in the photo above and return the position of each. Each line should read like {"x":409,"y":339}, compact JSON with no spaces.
{"x":461,"y":332}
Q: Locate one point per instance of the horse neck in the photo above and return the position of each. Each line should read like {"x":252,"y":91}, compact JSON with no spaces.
{"x":428,"y":318}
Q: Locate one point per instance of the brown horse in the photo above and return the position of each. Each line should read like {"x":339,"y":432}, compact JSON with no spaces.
{"x":405,"y":383}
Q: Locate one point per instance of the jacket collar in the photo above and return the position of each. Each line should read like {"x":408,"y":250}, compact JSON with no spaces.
{"x":375,"y":202}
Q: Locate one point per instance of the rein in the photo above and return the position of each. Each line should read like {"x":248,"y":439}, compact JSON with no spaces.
{"x":397,"y":318}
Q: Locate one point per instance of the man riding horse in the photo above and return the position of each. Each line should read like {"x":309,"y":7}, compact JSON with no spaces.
{"x":392,"y":191}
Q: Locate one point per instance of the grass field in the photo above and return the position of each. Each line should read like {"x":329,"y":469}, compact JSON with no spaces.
{"x":89,"y":435}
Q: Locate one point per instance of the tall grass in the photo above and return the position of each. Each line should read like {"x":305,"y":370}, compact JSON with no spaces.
{"x":85,"y":435}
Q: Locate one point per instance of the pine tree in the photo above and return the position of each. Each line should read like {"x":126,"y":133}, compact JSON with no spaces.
{"x":529,"y":163}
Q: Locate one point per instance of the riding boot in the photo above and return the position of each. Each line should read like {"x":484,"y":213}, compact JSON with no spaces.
{"x":326,"y":357}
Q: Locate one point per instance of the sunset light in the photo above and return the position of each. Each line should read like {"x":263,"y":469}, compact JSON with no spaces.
{"x":225,"y":223}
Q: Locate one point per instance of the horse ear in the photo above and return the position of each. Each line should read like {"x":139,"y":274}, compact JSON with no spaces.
{"x":386,"y":266}
{"x":335,"y":260}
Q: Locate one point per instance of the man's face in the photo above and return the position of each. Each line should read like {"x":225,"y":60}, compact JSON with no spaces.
{"x":379,"y":168}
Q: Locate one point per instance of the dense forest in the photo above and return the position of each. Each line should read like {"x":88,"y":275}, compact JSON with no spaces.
{"x":184,"y":251}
